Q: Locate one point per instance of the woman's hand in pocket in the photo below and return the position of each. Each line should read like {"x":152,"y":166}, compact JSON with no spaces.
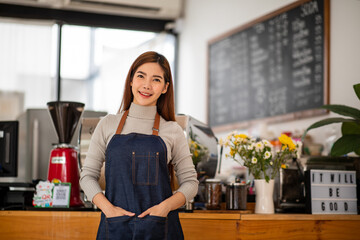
{"x":160,"y":210}
{"x":108,"y":208}
{"x":117,"y":212}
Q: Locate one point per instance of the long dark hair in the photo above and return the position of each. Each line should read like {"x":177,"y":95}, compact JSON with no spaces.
{"x":165,"y":103}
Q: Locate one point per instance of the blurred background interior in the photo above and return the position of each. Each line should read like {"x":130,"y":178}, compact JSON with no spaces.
{"x":80,"y":51}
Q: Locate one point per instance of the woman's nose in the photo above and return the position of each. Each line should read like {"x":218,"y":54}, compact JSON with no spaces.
{"x":147,"y":84}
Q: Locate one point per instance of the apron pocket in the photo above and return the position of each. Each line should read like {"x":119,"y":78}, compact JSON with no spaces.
{"x":145,"y":168}
{"x":151,"y":228}
{"x":119,"y":227}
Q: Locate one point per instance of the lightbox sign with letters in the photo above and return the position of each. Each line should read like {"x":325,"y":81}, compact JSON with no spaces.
{"x":331,"y":192}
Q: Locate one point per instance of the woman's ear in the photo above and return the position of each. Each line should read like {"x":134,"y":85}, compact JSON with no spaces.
{"x":165,"y":88}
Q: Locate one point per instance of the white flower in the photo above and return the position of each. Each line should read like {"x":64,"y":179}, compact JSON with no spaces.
{"x":267,"y":155}
{"x":254,"y":160}
{"x":259,"y":146}
{"x":252,"y":140}
{"x":266,"y":143}
{"x":251,"y":146}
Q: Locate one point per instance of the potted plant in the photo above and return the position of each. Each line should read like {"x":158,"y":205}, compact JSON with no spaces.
{"x":263,"y":162}
{"x":350,"y":128}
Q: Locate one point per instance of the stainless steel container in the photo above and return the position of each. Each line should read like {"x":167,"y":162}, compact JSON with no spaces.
{"x":236,"y":196}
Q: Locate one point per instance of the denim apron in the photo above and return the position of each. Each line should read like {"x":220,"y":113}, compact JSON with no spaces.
{"x":137,"y":178}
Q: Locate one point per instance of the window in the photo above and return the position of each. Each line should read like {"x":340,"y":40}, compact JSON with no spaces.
{"x":25,"y":66}
{"x":94,"y":63}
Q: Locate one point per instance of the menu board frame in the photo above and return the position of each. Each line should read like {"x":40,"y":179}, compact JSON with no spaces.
{"x":286,"y":116}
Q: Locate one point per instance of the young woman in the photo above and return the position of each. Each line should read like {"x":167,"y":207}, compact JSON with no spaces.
{"x":137,"y":145}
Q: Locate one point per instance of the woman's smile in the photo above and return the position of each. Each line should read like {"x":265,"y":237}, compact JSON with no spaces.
{"x":145,"y":94}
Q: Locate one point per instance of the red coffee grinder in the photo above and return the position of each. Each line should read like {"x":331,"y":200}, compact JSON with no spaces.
{"x":63,"y":165}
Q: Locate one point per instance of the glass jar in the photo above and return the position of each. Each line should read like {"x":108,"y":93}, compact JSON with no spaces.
{"x":213,"y":194}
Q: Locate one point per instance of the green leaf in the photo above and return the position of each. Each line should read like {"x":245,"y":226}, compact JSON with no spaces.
{"x":343,"y":110}
{"x":348,"y":128}
{"x":357,"y":90}
{"x":267,"y":178}
{"x":345,"y":144}
{"x":326,"y":122}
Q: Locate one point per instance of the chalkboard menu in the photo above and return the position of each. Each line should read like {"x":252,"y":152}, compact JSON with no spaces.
{"x":274,"y":66}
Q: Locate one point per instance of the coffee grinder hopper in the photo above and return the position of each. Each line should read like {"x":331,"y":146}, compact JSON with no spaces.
{"x":65,"y":117}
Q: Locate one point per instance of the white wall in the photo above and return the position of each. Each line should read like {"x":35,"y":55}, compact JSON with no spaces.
{"x":206,"y":19}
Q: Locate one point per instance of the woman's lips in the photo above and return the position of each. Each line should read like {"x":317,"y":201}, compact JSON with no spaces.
{"x":145,"y":94}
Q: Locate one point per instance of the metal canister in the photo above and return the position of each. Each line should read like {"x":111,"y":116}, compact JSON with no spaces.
{"x":236,"y":196}
{"x":189,"y":206}
{"x":213,"y":194}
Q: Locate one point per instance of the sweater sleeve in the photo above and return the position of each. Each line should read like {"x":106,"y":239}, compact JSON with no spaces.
{"x":95,"y":157}
{"x":183,"y":165}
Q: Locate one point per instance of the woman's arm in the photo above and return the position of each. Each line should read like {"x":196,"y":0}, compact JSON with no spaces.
{"x":183,"y":165}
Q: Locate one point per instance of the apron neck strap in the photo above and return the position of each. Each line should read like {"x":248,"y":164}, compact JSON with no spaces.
{"x":122,"y":122}
{"x":155,"y":127}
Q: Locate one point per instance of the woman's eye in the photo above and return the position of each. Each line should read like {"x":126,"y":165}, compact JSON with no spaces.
{"x":140,"y":76}
{"x":157,"y":80}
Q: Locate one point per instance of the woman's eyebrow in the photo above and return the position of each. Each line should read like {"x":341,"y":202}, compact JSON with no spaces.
{"x":158,"y":76}
{"x":141,"y":72}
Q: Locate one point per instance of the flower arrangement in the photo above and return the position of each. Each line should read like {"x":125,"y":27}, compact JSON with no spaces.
{"x":197,"y":150}
{"x":259,"y":157}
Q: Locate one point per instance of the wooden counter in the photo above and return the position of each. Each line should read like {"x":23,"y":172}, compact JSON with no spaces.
{"x":198,"y":225}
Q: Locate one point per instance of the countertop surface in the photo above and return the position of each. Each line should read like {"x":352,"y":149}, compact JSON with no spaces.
{"x":197,"y":214}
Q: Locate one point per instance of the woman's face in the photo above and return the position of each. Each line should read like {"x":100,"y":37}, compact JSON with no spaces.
{"x":148,"y":84}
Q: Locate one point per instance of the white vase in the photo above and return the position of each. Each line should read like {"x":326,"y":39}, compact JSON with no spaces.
{"x":264,"y":203}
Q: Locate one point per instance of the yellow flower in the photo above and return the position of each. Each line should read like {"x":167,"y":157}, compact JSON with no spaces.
{"x":196,"y":153}
{"x":284,"y":139}
{"x":283,"y":166}
{"x":241,"y":136}
{"x":292,"y":147}
{"x":232,"y":152}
{"x":287,"y":142}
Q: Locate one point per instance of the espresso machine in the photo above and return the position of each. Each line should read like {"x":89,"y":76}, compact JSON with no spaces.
{"x":63,"y":164}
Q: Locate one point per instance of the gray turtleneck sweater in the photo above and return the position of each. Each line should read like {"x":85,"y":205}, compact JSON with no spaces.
{"x":139,"y":120}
